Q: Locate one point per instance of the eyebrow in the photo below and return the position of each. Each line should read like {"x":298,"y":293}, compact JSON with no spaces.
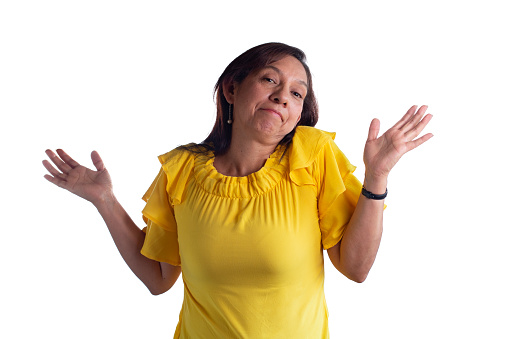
{"x":302,"y":82}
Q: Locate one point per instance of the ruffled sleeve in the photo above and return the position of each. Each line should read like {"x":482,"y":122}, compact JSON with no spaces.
{"x":167,"y":190}
{"x":316,"y":160}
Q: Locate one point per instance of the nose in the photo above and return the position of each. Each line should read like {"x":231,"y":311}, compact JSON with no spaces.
{"x":280,"y":97}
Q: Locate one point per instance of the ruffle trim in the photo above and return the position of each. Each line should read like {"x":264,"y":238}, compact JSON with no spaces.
{"x":316,"y":160}
{"x":307,"y":143}
{"x":157,"y":206}
{"x":180,"y":166}
{"x":254,"y":184}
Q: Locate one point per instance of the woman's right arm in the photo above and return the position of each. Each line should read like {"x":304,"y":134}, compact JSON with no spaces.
{"x":96,"y":187}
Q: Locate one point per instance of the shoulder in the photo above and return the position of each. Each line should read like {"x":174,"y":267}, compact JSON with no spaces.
{"x":313,"y":152}
{"x":307,"y":144}
{"x":181,"y":155}
{"x":308,"y":132}
{"x":178,"y":166}
{"x":178,"y":162}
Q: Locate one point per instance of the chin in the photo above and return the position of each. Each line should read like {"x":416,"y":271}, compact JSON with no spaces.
{"x":271,"y":133}
{"x":268,"y":128}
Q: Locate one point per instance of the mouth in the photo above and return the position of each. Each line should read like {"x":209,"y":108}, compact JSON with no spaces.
{"x":273,"y":111}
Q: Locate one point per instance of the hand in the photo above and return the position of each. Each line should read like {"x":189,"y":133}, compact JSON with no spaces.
{"x":94,"y":186}
{"x":381,"y":154}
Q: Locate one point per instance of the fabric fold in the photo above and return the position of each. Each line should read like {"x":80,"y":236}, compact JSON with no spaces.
{"x":168,"y":188}
{"x":254,"y":184}
{"x":316,"y":160}
{"x":158,"y":208}
{"x":178,"y":166}
{"x":255,"y":242}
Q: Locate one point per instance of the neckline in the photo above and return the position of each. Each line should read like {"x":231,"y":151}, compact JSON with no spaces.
{"x":256,"y":183}
{"x":275,"y":155}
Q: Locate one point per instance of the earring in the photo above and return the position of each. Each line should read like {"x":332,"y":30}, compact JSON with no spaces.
{"x":230,"y":115}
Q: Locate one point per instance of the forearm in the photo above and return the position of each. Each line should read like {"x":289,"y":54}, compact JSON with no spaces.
{"x":129,"y":240}
{"x":363,"y":234}
{"x":359,"y":245}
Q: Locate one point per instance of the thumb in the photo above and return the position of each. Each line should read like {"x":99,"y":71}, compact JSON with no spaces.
{"x":374,"y":128}
{"x":98,"y":162}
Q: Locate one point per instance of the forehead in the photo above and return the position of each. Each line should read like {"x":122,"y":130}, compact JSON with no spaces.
{"x":290,"y":67}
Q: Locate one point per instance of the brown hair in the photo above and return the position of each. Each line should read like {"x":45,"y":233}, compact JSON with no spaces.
{"x":255,"y":58}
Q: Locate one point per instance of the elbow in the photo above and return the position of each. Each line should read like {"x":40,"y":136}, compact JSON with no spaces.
{"x":357,"y":276}
{"x":359,"y":279}
{"x":160,"y":287}
{"x":357,"y":272}
{"x":156,"y":290}
{"x":165,"y":282}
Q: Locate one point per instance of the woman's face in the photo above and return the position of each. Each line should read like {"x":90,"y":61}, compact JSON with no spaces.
{"x":267,"y":105}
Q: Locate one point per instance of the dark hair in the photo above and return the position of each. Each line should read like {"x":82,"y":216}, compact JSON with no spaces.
{"x":255,"y":58}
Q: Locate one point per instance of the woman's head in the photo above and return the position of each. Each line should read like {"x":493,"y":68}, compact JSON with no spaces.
{"x":249,"y":61}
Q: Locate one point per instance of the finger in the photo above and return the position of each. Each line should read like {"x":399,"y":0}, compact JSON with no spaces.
{"x":374,"y":128}
{"x":405,"y":117}
{"x":57,"y":181}
{"x":68,"y":160}
{"x":62,"y":166}
{"x":414,"y":119}
{"x":52,"y":170}
{"x":98,"y":162}
{"x":419,"y":127}
{"x":417,"y":142}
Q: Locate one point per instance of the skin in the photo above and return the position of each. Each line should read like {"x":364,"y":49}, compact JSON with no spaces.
{"x":256,"y":133}
{"x":355,"y":254}
{"x":267,"y":105}
{"x":96,"y":187}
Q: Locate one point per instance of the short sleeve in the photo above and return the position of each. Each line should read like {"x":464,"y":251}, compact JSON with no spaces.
{"x":338,"y":191}
{"x":167,"y":190}
{"x":161,"y":240}
{"x":316,"y":160}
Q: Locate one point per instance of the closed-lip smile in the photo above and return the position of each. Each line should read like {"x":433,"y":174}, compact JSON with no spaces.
{"x":274,"y":111}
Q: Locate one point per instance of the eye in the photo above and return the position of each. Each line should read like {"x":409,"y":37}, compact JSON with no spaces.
{"x":297,"y":94}
{"x":269,"y":80}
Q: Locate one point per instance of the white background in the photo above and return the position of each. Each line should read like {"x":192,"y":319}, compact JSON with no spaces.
{"x":134,"y":79}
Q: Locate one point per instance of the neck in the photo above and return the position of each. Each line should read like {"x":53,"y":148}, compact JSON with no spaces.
{"x":245,"y":156}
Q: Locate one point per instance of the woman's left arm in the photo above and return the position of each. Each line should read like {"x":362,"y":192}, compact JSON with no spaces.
{"x":354,"y":255}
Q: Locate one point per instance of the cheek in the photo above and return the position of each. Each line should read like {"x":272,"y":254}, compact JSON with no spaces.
{"x":297,"y":114}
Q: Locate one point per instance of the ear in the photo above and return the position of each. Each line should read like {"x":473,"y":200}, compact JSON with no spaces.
{"x":229,"y":91}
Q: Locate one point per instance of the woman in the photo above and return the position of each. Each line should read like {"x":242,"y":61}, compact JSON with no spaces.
{"x":246,"y":214}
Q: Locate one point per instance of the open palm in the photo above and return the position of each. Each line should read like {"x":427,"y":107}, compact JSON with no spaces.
{"x":381,"y":154}
{"x":80,"y":180}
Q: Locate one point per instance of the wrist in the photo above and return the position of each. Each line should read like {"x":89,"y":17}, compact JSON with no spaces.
{"x":374,"y":184}
{"x":105,"y":202}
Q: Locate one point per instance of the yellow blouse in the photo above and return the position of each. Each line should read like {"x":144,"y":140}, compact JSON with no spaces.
{"x":251,"y":248}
